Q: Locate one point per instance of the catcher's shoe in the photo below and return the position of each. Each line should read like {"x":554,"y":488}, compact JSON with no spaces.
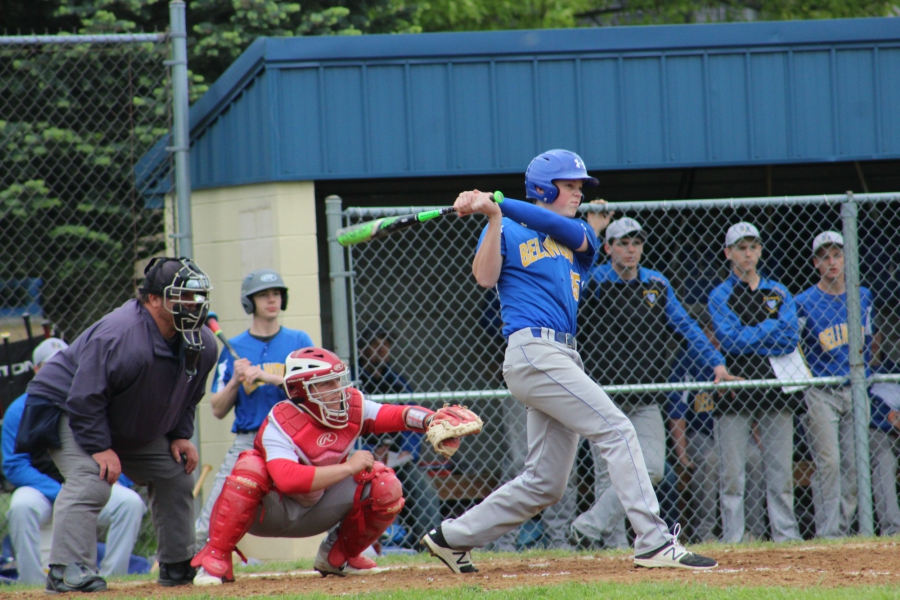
{"x":202,"y":578}
{"x":674,"y":555}
{"x":459,"y":561}
{"x":357,"y":565}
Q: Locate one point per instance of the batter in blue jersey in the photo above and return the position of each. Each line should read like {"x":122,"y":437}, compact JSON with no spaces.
{"x":251,"y":385}
{"x":538,"y":255}
{"x":822,"y":313}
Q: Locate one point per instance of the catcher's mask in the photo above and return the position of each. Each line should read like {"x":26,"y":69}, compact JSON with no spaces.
{"x":317,"y":381}
{"x":185,"y":290}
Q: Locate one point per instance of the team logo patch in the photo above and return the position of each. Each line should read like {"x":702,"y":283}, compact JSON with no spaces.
{"x":579,"y":164}
{"x":339,"y":367}
{"x":772,"y":303}
{"x":326,"y":439}
{"x":269,"y":277}
{"x":651,"y":296}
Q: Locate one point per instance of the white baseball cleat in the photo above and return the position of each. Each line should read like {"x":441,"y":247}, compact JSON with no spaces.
{"x":202,"y":578}
{"x":358,"y":565}
{"x":459,"y":561}
{"x":674,"y":555}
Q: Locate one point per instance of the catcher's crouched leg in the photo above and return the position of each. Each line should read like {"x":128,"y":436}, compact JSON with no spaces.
{"x":231,"y":518}
{"x":378,"y":500}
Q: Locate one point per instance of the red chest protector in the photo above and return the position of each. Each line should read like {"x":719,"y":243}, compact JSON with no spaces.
{"x":316,"y":445}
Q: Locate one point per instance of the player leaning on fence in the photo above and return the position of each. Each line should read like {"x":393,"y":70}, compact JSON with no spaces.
{"x":822,"y":312}
{"x":632,"y":348}
{"x":755,"y":321}
{"x":538,"y":256}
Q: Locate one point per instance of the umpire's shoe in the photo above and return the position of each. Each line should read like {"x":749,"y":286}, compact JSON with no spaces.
{"x":73,"y":577}
{"x":674,"y":555}
{"x":459,"y":561}
{"x":180,"y":573}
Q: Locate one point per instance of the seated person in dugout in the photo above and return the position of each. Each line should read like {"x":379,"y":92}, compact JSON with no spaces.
{"x":300,"y":480}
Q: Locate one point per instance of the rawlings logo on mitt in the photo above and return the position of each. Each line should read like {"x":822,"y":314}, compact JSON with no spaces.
{"x":448,"y":424}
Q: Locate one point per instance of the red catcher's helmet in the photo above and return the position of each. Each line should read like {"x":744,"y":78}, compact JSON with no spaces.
{"x":317,"y":380}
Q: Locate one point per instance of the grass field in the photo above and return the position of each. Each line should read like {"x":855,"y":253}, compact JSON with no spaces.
{"x":853,"y":568}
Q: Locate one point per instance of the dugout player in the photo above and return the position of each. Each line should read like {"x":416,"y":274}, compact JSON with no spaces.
{"x":755,"y":319}
{"x":252,"y":384}
{"x":539,"y":257}
{"x":632,"y":348}
{"x":822,"y":313}
{"x":127,"y":390}
{"x":297,"y":480}
{"x":884,"y":448}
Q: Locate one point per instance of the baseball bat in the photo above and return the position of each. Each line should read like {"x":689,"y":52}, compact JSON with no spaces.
{"x":47,"y":326}
{"x":204,"y":471}
{"x":9,"y":363}
{"x":379,"y":228}
{"x":212,"y":321}
{"x":27,"y":318}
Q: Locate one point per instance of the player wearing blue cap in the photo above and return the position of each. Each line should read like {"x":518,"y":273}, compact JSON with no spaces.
{"x":538,"y":257}
{"x":822,"y":313}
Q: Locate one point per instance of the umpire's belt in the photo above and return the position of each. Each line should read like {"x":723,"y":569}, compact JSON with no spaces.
{"x":566,"y":339}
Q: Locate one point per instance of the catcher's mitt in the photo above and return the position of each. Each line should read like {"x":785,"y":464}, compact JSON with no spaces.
{"x":448,"y":424}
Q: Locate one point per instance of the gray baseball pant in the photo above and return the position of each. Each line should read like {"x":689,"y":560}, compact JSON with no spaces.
{"x":29,"y":510}
{"x":242,"y":441}
{"x":829,"y":431}
{"x":548,"y":377}
{"x":555,"y":518}
{"x":776,"y":431}
{"x":885,"y":448}
{"x":605,"y":519}
{"x":84,"y":494}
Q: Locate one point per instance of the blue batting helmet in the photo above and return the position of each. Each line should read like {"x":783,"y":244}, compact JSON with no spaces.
{"x":551,"y":165}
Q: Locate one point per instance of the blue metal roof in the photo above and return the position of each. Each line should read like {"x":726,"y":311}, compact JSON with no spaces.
{"x":314,"y":108}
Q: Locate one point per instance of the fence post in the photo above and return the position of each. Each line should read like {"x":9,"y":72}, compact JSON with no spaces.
{"x":861,"y":410}
{"x":337,"y":269}
{"x":181,"y":134}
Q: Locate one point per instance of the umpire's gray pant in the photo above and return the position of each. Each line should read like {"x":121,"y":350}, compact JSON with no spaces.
{"x":242,"y":441}
{"x":605,"y":520}
{"x":84,"y":495}
{"x":563,"y":403}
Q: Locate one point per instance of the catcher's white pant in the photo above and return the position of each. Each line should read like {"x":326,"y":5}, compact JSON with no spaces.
{"x":242,"y":441}
{"x":562,"y":403}
{"x":605,"y":519}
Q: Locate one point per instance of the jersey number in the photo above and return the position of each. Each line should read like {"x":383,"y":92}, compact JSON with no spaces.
{"x":576,"y":284}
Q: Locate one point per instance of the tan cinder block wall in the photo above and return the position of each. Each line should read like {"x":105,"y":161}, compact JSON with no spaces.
{"x":237,"y":230}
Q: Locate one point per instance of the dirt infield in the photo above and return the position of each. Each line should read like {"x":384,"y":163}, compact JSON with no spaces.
{"x":830,"y":565}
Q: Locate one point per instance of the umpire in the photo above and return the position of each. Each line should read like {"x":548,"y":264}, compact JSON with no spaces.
{"x":121,"y":399}
{"x":626,"y":311}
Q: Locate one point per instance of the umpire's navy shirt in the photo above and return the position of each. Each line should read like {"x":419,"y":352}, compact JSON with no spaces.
{"x":121,"y":385}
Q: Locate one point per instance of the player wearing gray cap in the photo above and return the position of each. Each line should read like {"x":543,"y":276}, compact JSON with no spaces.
{"x":755,"y":321}
{"x":822,"y":311}
{"x":252,"y":384}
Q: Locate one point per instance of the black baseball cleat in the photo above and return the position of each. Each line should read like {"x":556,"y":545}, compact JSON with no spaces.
{"x":459,"y":561}
{"x":180,"y":573}
{"x":73,"y":577}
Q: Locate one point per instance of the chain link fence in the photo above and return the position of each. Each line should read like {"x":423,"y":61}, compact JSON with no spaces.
{"x":752,"y":459}
{"x":77,"y":113}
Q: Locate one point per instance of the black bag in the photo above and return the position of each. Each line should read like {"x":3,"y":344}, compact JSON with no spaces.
{"x":39,"y":427}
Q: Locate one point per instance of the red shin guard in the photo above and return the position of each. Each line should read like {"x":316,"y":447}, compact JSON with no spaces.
{"x":232,"y":514}
{"x":370,"y":516}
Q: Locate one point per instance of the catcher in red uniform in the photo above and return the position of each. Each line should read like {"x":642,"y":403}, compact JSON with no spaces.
{"x":300,"y":479}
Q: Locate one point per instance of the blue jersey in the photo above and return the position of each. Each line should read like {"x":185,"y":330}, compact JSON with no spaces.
{"x":541,"y":280}
{"x":251,"y":409}
{"x":695,"y":406}
{"x":823,"y":319}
